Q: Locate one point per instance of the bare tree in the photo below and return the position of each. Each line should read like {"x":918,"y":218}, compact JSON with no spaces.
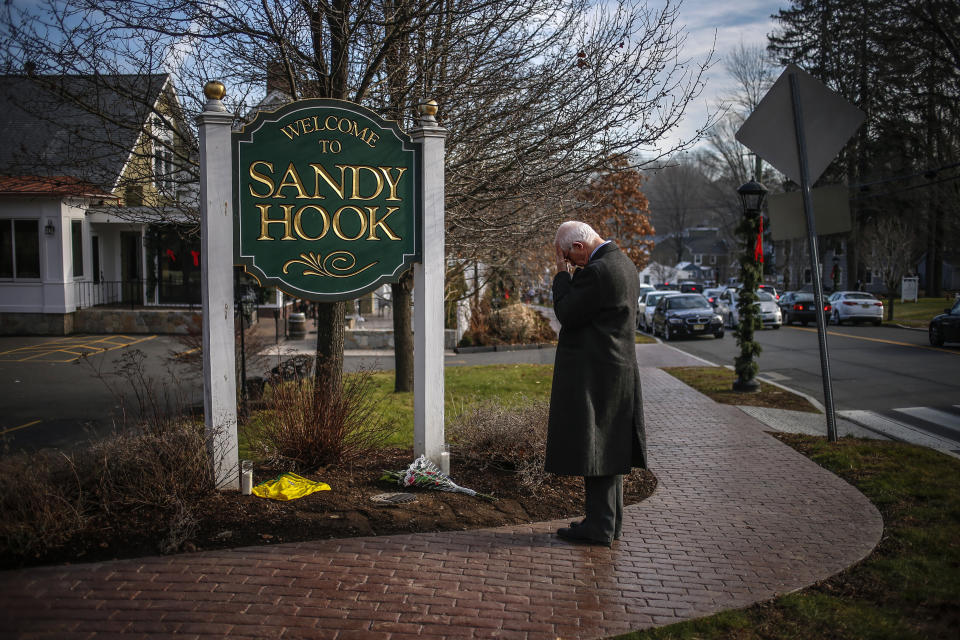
{"x":537,"y":94}
{"x":678,"y":201}
{"x":891,"y":247}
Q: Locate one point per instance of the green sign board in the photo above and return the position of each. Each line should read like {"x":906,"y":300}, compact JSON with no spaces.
{"x":327,"y":203}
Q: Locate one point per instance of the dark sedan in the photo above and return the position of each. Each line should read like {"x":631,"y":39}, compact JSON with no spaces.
{"x":946,"y":326}
{"x":685,"y":314}
{"x":798,"y":306}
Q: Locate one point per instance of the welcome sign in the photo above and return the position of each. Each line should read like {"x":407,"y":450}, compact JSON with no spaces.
{"x":326,"y":199}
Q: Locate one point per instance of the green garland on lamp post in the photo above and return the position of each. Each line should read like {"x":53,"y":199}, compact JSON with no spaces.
{"x":751,"y":195}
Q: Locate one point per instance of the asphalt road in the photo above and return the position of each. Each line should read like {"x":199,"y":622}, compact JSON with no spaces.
{"x":872,"y":368}
{"x":58,"y":391}
{"x":51,"y":396}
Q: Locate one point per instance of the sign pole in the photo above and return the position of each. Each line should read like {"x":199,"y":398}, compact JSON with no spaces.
{"x":814,"y":259}
{"x":428,"y":283}
{"x":216,"y":237}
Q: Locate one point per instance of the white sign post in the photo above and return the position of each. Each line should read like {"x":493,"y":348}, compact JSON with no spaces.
{"x":909,"y":287}
{"x":428,"y":283}
{"x":216,"y":250}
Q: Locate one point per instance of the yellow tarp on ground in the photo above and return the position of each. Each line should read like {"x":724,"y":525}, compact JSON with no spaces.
{"x":288,"y":486}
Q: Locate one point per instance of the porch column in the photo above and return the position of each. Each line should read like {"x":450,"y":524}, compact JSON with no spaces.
{"x":216,"y":246}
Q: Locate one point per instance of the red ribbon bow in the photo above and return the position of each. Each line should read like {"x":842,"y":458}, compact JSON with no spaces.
{"x":758,"y":246}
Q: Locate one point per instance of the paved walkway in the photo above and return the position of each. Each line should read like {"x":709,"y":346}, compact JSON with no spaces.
{"x":737,"y":517}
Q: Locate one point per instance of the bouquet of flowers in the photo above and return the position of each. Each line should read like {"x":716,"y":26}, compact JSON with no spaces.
{"x":424,"y":474}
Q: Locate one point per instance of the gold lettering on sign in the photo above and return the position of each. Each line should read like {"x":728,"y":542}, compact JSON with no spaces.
{"x":320,"y":172}
{"x":265,"y":221}
{"x":262,"y":179}
{"x":298,"y":222}
{"x":361,"y":186}
{"x":355,"y":170}
{"x":294,"y":182}
{"x":336,"y":223}
{"x":380,"y":222}
{"x":346,"y":126}
{"x":393,"y":183}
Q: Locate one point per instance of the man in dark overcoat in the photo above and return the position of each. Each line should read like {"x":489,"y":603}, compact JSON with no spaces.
{"x":596,"y":411}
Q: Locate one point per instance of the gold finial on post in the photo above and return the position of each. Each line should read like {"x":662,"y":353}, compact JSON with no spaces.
{"x":214,"y":90}
{"x":428,"y":110}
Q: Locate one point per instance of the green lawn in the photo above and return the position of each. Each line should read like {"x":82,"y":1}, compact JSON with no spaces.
{"x":919,"y":313}
{"x":508,"y":384}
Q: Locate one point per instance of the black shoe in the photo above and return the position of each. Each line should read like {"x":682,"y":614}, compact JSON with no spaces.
{"x":575,"y":524}
{"x":576,"y":534}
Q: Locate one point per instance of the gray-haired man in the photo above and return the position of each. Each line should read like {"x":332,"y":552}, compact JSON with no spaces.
{"x":596,"y":412}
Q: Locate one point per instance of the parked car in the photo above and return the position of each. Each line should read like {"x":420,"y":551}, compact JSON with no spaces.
{"x":769,"y":288}
{"x":946,"y":326}
{"x":645,"y":314}
{"x":768,"y":310}
{"x":685,"y":314}
{"x":855,"y":306}
{"x":691,"y":287}
{"x":799,"y":306}
{"x":712,"y":295}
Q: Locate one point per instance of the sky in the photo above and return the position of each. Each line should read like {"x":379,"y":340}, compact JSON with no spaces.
{"x":730,"y":23}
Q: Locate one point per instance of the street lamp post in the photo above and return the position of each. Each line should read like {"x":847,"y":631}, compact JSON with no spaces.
{"x":752,"y":195}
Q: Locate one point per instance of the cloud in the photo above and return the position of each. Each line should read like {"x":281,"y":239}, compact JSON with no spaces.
{"x":717,"y":24}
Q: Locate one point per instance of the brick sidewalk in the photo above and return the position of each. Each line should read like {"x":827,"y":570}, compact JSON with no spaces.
{"x":737,"y":517}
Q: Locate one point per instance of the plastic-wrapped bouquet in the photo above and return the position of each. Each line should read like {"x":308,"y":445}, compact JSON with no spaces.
{"x":426,"y":475}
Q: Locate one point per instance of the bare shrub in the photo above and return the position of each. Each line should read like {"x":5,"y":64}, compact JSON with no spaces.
{"x":513,"y":324}
{"x":41,"y":503}
{"x":48,"y":498}
{"x":158,"y":468}
{"x":491,"y":436}
{"x":304,"y":429}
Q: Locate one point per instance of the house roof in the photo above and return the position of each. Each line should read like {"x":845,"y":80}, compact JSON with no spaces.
{"x":81,"y":127}
{"x":49,"y":185}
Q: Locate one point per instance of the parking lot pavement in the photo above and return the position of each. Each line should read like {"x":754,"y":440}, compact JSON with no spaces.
{"x":66,"y":348}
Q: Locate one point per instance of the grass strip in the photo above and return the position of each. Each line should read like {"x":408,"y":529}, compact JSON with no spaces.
{"x":919,"y":313}
{"x":717,"y":382}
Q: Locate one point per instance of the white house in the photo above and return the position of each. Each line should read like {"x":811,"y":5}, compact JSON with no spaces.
{"x":91,"y":195}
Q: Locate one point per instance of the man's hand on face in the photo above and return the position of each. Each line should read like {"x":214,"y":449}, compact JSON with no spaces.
{"x":561,"y":260}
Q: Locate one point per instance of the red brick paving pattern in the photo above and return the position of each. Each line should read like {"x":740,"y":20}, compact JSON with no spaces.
{"x":737,"y":517}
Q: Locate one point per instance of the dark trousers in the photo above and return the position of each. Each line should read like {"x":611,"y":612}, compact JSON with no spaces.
{"x":603,"y":505}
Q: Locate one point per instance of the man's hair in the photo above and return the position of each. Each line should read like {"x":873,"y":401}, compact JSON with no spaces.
{"x":574,"y":231}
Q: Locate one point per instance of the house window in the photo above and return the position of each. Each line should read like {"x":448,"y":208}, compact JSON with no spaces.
{"x":698,"y":258}
{"x":20,"y":249}
{"x":76,"y":236}
{"x":713,"y":259}
{"x":807,"y":277}
{"x":162,"y":158}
